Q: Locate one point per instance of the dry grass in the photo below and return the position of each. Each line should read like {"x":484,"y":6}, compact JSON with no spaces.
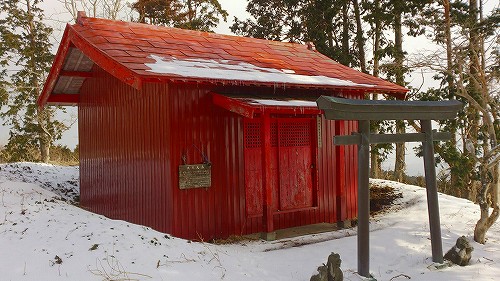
{"x":234,"y":239}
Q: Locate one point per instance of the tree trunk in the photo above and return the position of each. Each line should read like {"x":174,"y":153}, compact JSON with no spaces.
{"x":43,"y":140}
{"x":359,"y":37}
{"x":376,"y":43}
{"x":345,"y":34}
{"x":454,"y":179}
{"x":376,"y":170}
{"x":478,"y":91}
{"x":190,"y":12}
{"x":481,"y":43}
{"x":400,"y":163}
{"x":398,"y":46}
{"x":45,"y":151}
{"x":44,"y":137}
{"x":486,"y":220}
{"x":474,"y":47}
{"x":449,"y":57}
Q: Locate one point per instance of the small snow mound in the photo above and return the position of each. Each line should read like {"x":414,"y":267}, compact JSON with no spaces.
{"x":61,"y":180}
{"x":20,"y":193}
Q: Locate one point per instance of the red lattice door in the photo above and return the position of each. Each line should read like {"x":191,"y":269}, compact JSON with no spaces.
{"x":291,"y":168}
{"x":295,"y":163}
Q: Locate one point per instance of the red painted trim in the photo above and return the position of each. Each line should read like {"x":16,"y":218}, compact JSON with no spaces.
{"x":342,"y":173}
{"x":291,"y":110}
{"x":59,"y":99}
{"x":234,"y":105}
{"x":55,"y":69}
{"x":113,"y":67}
{"x":398,"y":93}
{"x":248,"y":110}
{"x":296,"y":210}
{"x":100,"y":58}
{"x":267,"y":189}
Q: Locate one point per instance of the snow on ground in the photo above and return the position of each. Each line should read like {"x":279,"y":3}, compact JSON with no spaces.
{"x":62,"y":180}
{"x":43,"y":238}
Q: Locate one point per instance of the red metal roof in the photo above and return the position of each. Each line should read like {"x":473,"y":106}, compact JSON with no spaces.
{"x":136,"y":53}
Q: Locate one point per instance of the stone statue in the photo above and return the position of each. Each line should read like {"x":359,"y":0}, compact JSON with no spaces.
{"x":333,"y":265}
{"x":460,"y":253}
{"x":322,"y":274}
{"x":331,"y":271}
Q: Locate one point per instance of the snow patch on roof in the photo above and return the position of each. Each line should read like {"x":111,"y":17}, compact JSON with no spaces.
{"x":229,"y":70}
{"x":299,"y":103}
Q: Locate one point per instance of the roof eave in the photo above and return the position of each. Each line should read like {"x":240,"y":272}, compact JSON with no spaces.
{"x":107,"y":63}
{"x":246,"y":109}
{"x":72,"y":38}
{"x":398,"y":92}
{"x":56,"y":68}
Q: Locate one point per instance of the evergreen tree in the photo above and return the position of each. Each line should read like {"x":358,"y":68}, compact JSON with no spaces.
{"x":277,"y":20}
{"x":399,"y":14}
{"x":360,"y":39}
{"x":329,"y":24}
{"x":377,"y":19}
{"x":26,"y":50}
{"x":188,"y":14}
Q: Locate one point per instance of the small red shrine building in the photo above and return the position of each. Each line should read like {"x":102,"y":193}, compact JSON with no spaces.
{"x":202,"y":135}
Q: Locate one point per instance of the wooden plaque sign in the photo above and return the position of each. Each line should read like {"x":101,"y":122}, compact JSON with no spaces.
{"x":195,"y":176}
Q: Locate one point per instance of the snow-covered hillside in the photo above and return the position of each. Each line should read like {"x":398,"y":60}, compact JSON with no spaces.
{"x":44,"y":238}
{"x":62,"y":180}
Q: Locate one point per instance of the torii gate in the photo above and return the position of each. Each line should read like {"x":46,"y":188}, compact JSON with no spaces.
{"x":366,"y":110}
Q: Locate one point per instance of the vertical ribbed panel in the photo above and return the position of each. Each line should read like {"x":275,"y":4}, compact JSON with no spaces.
{"x":132,"y":143}
{"x":124,"y":154}
{"x":351,"y":170}
{"x":198,"y":129}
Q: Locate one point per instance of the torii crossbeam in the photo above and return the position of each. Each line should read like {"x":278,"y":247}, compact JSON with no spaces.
{"x":366,"y":110}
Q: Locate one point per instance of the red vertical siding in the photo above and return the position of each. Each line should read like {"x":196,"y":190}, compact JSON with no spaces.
{"x":124,"y":155}
{"x":132,"y":143}
{"x":351,"y":159}
{"x":217,"y":211}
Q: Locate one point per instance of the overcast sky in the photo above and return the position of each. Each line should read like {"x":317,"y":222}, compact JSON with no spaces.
{"x":55,"y":10}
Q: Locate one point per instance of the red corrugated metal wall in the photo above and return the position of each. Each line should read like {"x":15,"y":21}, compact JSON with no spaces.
{"x":217,"y":211}
{"x":132,"y":142}
{"x":124,"y":140}
{"x":346,"y":161}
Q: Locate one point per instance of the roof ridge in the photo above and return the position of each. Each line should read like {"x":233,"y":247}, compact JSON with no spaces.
{"x":84,"y":20}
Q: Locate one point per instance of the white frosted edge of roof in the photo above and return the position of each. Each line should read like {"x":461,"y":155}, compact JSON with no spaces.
{"x":299,"y":103}
{"x":227,"y":70}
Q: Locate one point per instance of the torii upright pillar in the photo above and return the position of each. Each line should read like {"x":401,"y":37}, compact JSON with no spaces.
{"x":366,"y":110}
